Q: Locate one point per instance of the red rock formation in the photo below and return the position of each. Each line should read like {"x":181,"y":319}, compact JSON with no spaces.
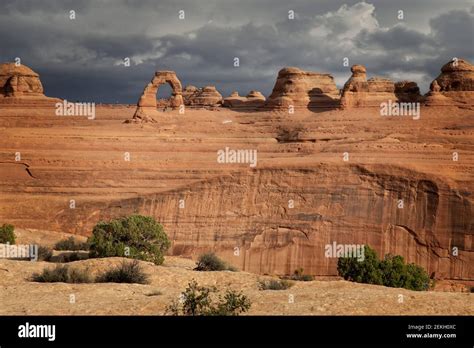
{"x":207,"y":96}
{"x":454,"y":86}
{"x":298,"y":88}
{"x":360,"y":92}
{"x":252,"y":101}
{"x":147,"y":105}
{"x":188,"y":93}
{"x":21,"y":85}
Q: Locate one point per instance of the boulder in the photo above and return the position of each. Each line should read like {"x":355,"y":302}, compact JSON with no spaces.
{"x":305,"y":89}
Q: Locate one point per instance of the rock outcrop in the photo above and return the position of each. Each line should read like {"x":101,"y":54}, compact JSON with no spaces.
{"x":188,"y":93}
{"x":252,"y":101}
{"x":297,"y":88}
{"x":360,"y":92}
{"x":21,"y":85}
{"x":454,"y":86}
{"x":147,"y":104}
{"x":207,"y":96}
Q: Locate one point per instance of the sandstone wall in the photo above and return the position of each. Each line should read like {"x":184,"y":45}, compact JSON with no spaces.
{"x":342,"y":204}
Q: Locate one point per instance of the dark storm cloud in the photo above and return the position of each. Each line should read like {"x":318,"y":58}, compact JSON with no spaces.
{"x":83,"y":59}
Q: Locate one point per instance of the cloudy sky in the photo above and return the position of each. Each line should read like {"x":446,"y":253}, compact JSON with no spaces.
{"x":82,"y":58}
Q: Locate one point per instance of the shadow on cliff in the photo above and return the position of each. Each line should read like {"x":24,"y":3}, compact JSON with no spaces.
{"x":319,"y":101}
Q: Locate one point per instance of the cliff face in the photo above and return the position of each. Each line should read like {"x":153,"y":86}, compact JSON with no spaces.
{"x":275,"y":221}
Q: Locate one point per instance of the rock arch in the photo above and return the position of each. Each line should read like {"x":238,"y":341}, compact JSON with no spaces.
{"x":147,"y":107}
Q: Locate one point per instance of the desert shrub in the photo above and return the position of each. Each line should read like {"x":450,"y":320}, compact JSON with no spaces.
{"x":366,"y":271}
{"x":61,"y":274}
{"x":71,"y":244}
{"x":44,"y":253}
{"x":233,"y":303}
{"x":196,"y":300}
{"x":299,"y":275}
{"x":394,"y":271}
{"x":127,"y":272}
{"x":7,"y":234}
{"x":68,"y":257}
{"x":275,"y":284}
{"x":472,"y":289}
{"x":391,"y":271}
{"x":136,"y":236}
{"x":210,"y":262}
{"x":417,"y":278}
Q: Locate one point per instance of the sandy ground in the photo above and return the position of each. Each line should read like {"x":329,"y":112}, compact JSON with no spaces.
{"x":20,"y":296}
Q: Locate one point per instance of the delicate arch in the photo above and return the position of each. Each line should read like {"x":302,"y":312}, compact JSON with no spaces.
{"x":147,"y":106}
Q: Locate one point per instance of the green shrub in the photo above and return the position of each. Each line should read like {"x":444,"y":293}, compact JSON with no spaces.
{"x":127,"y":272}
{"x":196,"y":300}
{"x":210,"y":262}
{"x":391,"y":271}
{"x":136,"y":236}
{"x":71,"y":244}
{"x":417,"y":278}
{"x":44,"y":253}
{"x":7,"y":234}
{"x":300,"y":276}
{"x":61,"y":274}
{"x":366,"y":271}
{"x":274,"y":284}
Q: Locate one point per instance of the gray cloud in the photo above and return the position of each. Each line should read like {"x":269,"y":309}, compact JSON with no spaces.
{"x":81,"y":59}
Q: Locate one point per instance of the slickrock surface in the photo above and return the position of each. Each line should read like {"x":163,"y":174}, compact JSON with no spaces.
{"x":303,"y":89}
{"x":280,"y":214}
{"x":320,"y":297}
{"x":19,"y":85}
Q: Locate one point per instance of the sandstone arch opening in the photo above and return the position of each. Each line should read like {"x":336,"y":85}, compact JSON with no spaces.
{"x":147,"y":104}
